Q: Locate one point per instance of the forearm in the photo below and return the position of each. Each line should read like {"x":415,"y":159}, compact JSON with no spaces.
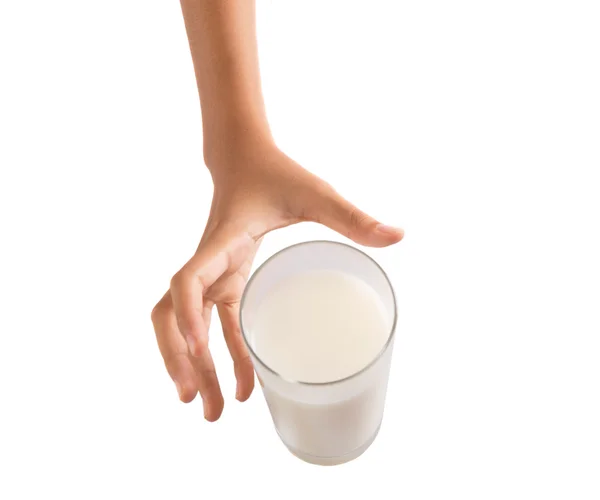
{"x":222,"y":37}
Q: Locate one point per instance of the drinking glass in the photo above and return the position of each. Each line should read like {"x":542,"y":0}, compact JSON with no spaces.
{"x":333,"y":422}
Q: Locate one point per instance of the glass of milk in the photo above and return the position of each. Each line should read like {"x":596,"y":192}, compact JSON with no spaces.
{"x":319,"y":320}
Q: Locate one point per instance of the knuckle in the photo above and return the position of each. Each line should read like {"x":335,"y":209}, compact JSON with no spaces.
{"x":321,"y":196}
{"x":242,"y":363}
{"x":243,"y":359}
{"x":158,"y":312}
{"x":182,"y":279}
{"x":202,"y":343}
{"x":211,"y":382}
{"x":357,"y":218}
{"x":178,"y":279}
{"x":358,"y":222}
{"x":209,"y":387}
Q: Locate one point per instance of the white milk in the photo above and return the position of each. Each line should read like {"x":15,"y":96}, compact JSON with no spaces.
{"x":317,"y":327}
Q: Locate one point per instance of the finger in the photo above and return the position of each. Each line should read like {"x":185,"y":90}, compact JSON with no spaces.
{"x":174,"y":350}
{"x":187,"y":289}
{"x":189,"y":374}
{"x":207,"y":312}
{"x":339,"y":214}
{"x":242,"y":364}
{"x":208,"y":385}
{"x":213,"y":258}
{"x":187,"y":293}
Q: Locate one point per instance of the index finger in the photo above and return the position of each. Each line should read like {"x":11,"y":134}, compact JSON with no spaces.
{"x":214,"y":258}
{"x":187,"y":290}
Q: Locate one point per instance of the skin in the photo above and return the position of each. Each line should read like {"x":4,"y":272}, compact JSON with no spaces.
{"x":257,"y":189}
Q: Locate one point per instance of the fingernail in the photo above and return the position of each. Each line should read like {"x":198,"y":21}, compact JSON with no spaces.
{"x":382,"y":228}
{"x":178,"y":387}
{"x":191,"y":342}
{"x":237,"y":393}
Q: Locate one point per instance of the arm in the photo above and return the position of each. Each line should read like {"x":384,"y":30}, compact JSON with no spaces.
{"x":257,"y":189}
{"x":222,"y":36}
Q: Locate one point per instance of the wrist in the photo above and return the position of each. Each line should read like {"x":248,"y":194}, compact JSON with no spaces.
{"x":229,"y":146}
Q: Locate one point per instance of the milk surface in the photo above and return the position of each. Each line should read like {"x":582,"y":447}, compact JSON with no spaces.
{"x":320,"y":326}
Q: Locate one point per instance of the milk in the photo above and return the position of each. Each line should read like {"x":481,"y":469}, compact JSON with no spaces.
{"x":318,"y":327}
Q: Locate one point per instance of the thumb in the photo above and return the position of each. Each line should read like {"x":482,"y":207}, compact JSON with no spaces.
{"x":337,"y":213}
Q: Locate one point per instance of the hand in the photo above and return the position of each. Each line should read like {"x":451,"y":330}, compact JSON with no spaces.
{"x":256,"y":189}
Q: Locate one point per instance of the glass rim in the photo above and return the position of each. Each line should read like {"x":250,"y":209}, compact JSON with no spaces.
{"x":376,"y":358}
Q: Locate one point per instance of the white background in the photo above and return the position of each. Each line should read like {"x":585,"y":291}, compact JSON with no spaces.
{"x":474,"y":125}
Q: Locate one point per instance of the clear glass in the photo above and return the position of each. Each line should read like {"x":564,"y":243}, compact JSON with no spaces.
{"x":333,"y":422}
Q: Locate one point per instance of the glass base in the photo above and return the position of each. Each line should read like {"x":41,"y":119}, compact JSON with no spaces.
{"x":342,"y":459}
